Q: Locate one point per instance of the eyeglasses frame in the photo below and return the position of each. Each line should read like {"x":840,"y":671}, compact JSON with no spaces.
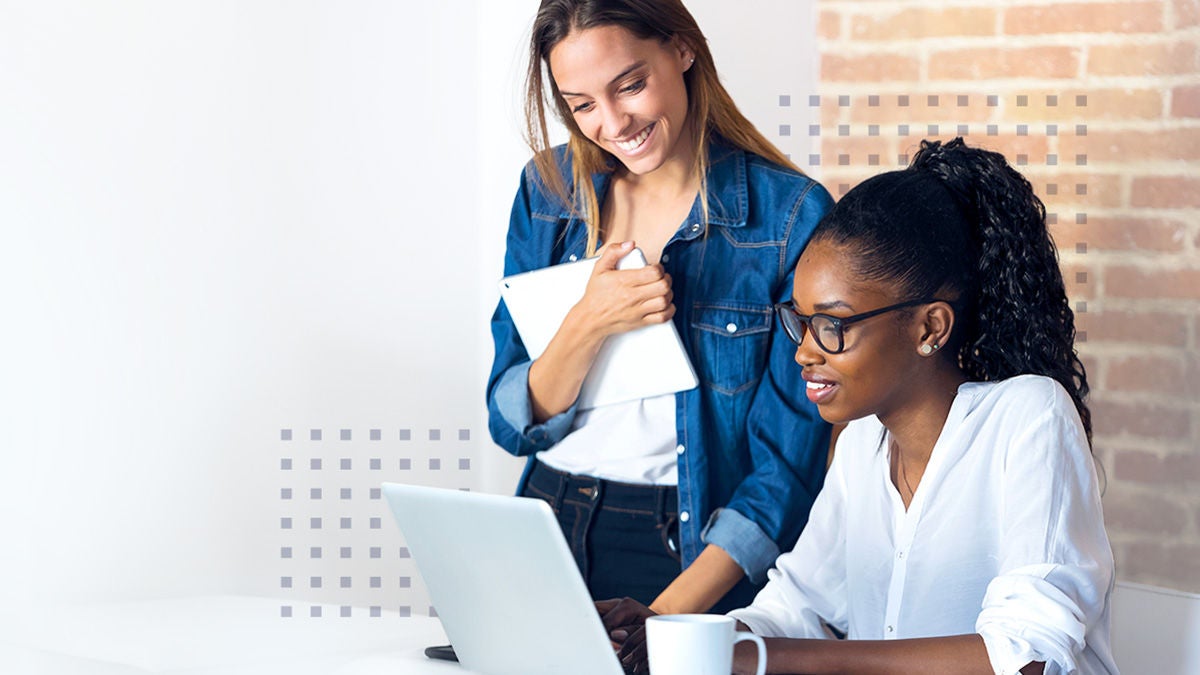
{"x":839,"y":321}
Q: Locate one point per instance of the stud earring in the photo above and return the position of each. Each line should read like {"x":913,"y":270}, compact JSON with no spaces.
{"x":926,"y":350}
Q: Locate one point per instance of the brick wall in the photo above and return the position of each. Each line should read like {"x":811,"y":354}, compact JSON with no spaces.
{"x":1098,"y":103}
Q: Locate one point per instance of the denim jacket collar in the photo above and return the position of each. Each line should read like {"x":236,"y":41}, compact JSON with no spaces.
{"x":727,"y":189}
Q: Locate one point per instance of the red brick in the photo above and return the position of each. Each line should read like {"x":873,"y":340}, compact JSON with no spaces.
{"x":829,"y":25}
{"x":986,"y":63}
{"x":1187,"y":13}
{"x":1157,"y":283}
{"x":872,"y":68}
{"x":840,"y":180}
{"x":1166,"y":192}
{"x":1185,"y":101}
{"x":1123,"y":233}
{"x":1099,"y":190}
{"x":920,"y":109}
{"x":1138,"y":328}
{"x":1163,"y":563}
{"x":1131,"y":58}
{"x":1080,"y":280}
{"x":1116,"y":17}
{"x":924,"y":23}
{"x":1035,"y":148}
{"x":1091,"y":367}
{"x":1086,"y":105}
{"x":1148,"y":420}
{"x":1132,"y":146}
{"x":1170,"y":469}
{"x":859,"y":149}
{"x":1160,"y":375}
{"x":1142,"y":512}
{"x":831,"y":112}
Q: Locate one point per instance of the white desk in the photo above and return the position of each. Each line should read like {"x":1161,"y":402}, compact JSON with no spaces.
{"x":225,"y":635}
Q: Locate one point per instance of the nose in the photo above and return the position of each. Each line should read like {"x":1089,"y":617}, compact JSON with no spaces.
{"x":614,"y":121}
{"x":808,"y":353}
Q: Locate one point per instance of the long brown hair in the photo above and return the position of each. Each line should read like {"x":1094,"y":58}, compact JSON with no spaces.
{"x":710,"y":108}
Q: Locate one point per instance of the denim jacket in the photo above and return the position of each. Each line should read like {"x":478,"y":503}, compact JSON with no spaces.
{"x":751,"y":447}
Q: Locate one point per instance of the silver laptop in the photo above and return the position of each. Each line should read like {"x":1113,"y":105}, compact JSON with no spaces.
{"x":503,"y":582}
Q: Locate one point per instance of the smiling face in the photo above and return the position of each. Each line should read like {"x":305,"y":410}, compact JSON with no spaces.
{"x":627,"y":95}
{"x":880,"y":362}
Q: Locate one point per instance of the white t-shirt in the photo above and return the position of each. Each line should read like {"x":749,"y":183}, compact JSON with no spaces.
{"x":1004,"y":537}
{"x":630,"y":442}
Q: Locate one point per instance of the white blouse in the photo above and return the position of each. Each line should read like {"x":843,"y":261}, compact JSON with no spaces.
{"x":630,"y":442}
{"x":1004,"y":537}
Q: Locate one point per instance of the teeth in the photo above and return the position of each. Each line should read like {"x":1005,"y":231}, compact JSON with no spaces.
{"x":818,"y":385}
{"x":631,"y":145}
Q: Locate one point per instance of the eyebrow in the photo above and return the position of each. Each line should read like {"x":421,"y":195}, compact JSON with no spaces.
{"x":824,"y":306}
{"x":623,"y":73}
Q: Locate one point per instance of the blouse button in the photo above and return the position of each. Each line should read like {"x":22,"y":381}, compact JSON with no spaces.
{"x":890,"y":629}
{"x":731,"y":327}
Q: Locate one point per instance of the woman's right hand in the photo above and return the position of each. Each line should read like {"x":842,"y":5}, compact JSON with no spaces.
{"x":617,"y":301}
{"x":624,"y":620}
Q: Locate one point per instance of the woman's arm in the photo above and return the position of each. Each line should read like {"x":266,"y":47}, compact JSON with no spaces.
{"x":701,"y":585}
{"x":955,"y":655}
{"x":523,"y":419}
{"x":615,"y":301}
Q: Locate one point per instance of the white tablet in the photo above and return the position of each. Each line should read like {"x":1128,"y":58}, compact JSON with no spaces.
{"x":641,"y":363}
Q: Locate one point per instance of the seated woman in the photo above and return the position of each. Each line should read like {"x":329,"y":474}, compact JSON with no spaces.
{"x":960,"y":527}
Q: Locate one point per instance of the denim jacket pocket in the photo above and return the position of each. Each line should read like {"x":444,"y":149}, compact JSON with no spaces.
{"x":731,"y":343}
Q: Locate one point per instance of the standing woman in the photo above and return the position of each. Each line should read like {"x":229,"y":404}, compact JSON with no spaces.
{"x":683,"y":500}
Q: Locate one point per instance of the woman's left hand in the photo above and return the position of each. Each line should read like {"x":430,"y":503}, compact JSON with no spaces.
{"x":625,"y":622}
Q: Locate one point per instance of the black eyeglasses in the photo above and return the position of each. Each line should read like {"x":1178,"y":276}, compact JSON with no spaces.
{"x":829,"y":331}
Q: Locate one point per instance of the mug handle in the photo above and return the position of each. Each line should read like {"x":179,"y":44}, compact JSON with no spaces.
{"x":742,"y":636}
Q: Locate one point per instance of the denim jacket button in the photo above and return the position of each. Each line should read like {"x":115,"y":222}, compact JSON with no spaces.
{"x":666,"y":257}
{"x":695,"y":227}
{"x":679,"y":449}
{"x":573,"y":257}
{"x":684,"y":517}
{"x":731,"y":327}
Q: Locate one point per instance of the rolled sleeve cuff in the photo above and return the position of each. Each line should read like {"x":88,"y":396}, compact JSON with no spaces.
{"x":1026,"y":618}
{"x":512,"y":400}
{"x":744,"y":541}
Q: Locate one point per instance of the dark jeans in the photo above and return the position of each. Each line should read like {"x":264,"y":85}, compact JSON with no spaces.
{"x":625,"y":538}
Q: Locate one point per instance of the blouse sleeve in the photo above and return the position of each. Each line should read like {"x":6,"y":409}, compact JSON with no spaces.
{"x":807,"y":587}
{"x":1056,"y":564}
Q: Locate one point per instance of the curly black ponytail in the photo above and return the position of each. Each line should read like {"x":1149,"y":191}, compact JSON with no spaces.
{"x":961,"y":223}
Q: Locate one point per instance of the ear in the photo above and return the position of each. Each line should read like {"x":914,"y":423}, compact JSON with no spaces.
{"x":686,"y":54}
{"x":934,"y":325}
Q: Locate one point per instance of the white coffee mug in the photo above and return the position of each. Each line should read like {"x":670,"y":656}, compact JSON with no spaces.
{"x":696,"y":644}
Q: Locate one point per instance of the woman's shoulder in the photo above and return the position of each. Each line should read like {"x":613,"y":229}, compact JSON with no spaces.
{"x":760,"y":170}
{"x":775,"y":184}
{"x":1022,"y":395}
{"x":559,"y":156}
{"x":779,"y":197}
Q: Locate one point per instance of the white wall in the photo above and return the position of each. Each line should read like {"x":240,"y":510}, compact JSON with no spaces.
{"x":225,"y":219}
